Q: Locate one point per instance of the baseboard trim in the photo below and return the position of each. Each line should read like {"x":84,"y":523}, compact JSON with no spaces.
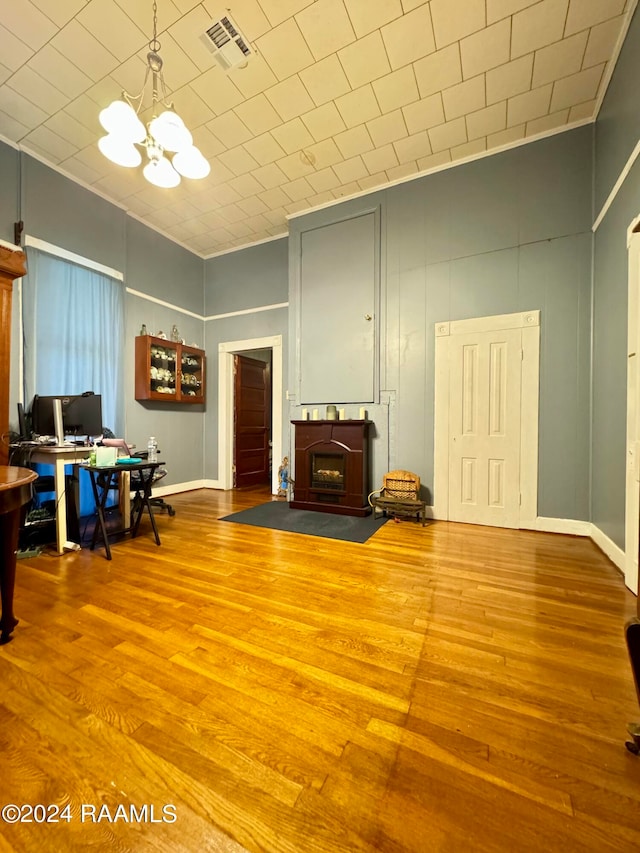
{"x":608,"y":547}
{"x":161,"y":491}
{"x":568,"y":526}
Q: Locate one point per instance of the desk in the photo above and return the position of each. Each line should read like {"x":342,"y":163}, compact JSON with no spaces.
{"x":15,"y":491}
{"x":107,"y":477}
{"x":59,"y":457}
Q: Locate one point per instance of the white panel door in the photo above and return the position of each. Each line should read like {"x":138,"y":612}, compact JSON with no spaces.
{"x":484,"y":424}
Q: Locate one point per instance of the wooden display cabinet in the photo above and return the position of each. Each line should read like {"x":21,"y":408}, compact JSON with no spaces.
{"x":169,"y":371}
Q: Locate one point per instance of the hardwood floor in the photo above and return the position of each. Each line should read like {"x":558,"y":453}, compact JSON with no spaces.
{"x":447,"y":688}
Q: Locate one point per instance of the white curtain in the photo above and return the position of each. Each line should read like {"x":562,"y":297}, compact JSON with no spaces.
{"x":73,"y":320}
{"x":73,"y":334}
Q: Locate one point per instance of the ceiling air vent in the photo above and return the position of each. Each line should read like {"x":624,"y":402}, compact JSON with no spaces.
{"x":227,"y":44}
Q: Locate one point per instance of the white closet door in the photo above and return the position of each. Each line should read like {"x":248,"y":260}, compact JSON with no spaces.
{"x":484,"y":424}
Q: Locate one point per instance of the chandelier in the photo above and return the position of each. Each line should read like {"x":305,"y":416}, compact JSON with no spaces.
{"x":165,"y":133}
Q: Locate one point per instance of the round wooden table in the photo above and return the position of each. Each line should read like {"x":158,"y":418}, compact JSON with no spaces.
{"x":15,"y":492}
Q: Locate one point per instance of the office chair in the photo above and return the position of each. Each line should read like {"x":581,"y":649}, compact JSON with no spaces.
{"x":158,"y":474}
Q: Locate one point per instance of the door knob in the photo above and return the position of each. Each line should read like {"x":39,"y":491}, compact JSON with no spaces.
{"x":367,"y":316}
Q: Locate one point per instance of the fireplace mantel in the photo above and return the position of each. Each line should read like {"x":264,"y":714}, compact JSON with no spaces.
{"x":332,"y":466}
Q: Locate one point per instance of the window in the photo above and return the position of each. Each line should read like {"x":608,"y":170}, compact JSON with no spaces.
{"x":73,"y":337}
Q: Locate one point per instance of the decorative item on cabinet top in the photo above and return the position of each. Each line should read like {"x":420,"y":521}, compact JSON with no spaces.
{"x":169,"y":371}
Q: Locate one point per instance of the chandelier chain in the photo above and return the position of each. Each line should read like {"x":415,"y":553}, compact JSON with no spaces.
{"x":155,"y":45}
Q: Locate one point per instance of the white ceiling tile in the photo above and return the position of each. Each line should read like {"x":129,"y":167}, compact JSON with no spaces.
{"x":321,"y":199}
{"x":278,"y":217}
{"x":208,"y":144}
{"x":464,"y":98}
{"x":279,"y":10}
{"x":122,"y":37}
{"x":254,"y":78}
{"x":413,"y":147}
{"x":506,"y":137}
{"x":178,"y":69}
{"x":510,"y":79}
{"x":402,"y":172}
{"x":324,"y":180}
{"x":294,"y":166}
{"x":264,"y":149}
{"x":231,"y":212}
{"x":10,"y":127}
{"x":14,"y":51}
{"x":61,"y":11}
{"x":559,"y":59}
{"x":358,"y":106}
{"x":424,"y":114}
{"x":72,"y":131}
{"x":587,"y":13}
{"x":365,"y":60}
{"x":455,"y":19}
{"x":239,"y":229}
{"x":486,"y":49}
{"x":499,"y":9}
{"x":530,"y":105}
{"x":409,"y":38}
{"x":297,"y":190}
{"x":326,"y":27}
{"x":602,"y":42}
{"x":258,"y":115}
{"x":410,"y":5}
{"x":373,"y":181}
{"x":547,"y":123}
{"x":219,"y":174}
{"x":354,"y":141}
{"x":78,"y":169}
{"x":577,"y":88}
{"x":448,"y":135}
{"x":396,"y":89}
{"x":229,"y":129}
{"x":347,"y":190}
{"x":387,"y":128}
{"x":323,"y":122}
{"x":538,"y":26}
{"x":217,"y":91}
{"x":350,"y":170}
{"x":226,"y":195}
{"x":37,"y":90}
{"x":381,"y":159}
{"x":245,"y":186}
{"x":490,"y":120}
{"x":238,"y":161}
{"x":5,"y":73}
{"x":91,"y":57}
{"x":290,"y":98}
{"x":141,"y":14}
{"x":285,"y":50}
{"x":50,"y":144}
{"x":28,"y":23}
{"x":468,"y":149}
{"x":273,"y":198}
{"x":53,"y":66}
{"x":584,"y":111}
{"x":326,"y":153}
{"x":369,"y":15}
{"x":292,"y":136}
{"x":325,"y":80}
{"x":438,"y":71}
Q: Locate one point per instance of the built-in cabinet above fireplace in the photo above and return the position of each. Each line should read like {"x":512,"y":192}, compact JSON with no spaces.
{"x":332,"y":466}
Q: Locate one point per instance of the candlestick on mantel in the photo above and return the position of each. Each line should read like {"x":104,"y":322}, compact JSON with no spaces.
{"x":363,"y":413}
{"x":341,"y":414}
{"x":304,"y":415}
{"x":316,"y":414}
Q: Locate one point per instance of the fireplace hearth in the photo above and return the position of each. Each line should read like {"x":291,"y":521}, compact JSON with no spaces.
{"x":332,"y":466}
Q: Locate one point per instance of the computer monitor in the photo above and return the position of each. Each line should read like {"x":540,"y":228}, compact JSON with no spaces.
{"x":81,"y":414}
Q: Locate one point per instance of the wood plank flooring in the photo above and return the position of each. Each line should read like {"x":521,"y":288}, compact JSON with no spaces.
{"x":446,"y":688}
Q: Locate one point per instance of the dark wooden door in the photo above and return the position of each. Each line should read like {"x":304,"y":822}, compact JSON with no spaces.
{"x":252,"y":421}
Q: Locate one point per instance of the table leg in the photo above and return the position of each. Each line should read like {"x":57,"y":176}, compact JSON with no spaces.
{"x":63,"y":543}
{"x":100,"y":501}
{"x":9,"y":530}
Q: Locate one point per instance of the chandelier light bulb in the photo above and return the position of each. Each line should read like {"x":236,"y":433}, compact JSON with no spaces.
{"x":169,"y":130}
{"x":119,"y":151}
{"x":191,"y":164}
{"x":120,"y":119}
{"x":161,"y":173}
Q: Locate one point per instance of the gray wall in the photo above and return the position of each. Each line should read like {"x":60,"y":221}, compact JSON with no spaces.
{"x":243,"y":281}
{"x":616,"y":135}
{"x":10,"y":194}
{"x":504,"y":234}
